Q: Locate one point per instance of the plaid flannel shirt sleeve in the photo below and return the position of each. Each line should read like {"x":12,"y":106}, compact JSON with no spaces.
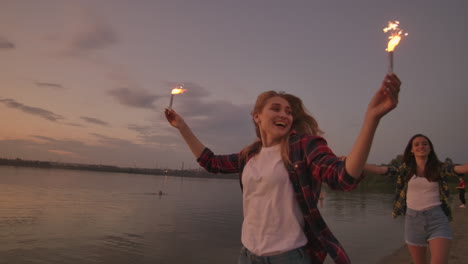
{"x":399,"y":205}
{"x":326,"y":166}
{"x":397,"y":172}
{"x":449,"y":171}
{"x":219,"y":163}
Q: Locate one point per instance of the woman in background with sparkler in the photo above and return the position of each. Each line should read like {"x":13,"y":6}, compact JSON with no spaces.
{"x":281,"y":175}
{"x":422,"y":195}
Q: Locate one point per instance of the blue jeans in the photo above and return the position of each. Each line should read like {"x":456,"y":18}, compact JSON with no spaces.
{"x":422,"y":226}
{"x":295,"y":256}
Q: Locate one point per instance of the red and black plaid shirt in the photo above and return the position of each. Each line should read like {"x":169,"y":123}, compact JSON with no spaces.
{"x":313,"y":162}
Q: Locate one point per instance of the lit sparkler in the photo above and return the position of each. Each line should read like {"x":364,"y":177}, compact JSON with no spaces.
{"x":394,"y":39}
{"x":177,"y":90}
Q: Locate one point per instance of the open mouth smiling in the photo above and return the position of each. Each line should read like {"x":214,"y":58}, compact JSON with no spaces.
{"x":280,"y":124}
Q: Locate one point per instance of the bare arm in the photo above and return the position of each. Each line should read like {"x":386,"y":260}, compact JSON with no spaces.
{"x":375,"y":169}
{"x":384,"y":100}
{"x":192,"y":141}
{"x":461,"y":169}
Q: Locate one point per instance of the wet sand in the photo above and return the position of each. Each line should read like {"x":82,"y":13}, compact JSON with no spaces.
{"x":459,"y":246}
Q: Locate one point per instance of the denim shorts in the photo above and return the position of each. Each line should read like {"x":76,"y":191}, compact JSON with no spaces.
{"x":422,"y":226}
{"x":295,"y":256}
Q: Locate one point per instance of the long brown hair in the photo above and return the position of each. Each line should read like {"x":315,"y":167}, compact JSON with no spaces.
{"x":303,"y":123}
{"x":433,"y":164}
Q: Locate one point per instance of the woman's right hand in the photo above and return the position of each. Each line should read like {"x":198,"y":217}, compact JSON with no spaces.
{"x":386,"y":98}
{"x":173,"y":118}
{"x":178,"y":122}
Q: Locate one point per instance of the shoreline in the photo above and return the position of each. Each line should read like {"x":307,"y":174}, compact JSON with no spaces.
{"x":458,"y":253}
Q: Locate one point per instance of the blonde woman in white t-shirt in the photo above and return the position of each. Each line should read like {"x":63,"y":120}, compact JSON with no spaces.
{"x":282,"y":172}
{"x":422,"y":196}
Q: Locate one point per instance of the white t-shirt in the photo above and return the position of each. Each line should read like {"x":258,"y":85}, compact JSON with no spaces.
{"x":422,"y":194}
{"x":272,"y":218}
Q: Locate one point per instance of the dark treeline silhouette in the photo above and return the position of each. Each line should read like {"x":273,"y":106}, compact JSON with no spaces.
{"x":198,"y":173}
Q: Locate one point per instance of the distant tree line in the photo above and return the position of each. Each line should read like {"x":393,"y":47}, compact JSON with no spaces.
{"x":198,"y":173}
{"x":371,"y":179}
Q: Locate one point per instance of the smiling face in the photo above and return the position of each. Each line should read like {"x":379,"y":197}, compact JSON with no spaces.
{"x":420,"y":147}
{"x":274,"y":120}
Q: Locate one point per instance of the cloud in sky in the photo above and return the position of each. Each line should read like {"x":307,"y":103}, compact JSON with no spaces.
{"x":60,"y":152}
{"x":47,"y":149}
{"x":98,"y":66}
{"x":96,"y":121}
{"x":142,"y":130}
{"x":95,"y":36}
{"x":158,"y":135}
{"x":134,"y":98}
{"x":108,"y":150}
{"x":73,"y":124}
{"x":220,"y":124}
{"x":44,"y":138}
{"x":85,"y":32}
{"x":232,"y":123}
{"x":49,"y":85}
{"x":11,"y":103}
{"x":6,"y":44}
{"x":111,"y":141}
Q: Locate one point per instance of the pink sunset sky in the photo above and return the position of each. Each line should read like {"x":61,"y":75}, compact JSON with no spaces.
{"x":88,"y":81}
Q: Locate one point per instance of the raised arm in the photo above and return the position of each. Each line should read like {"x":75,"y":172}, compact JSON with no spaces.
{"x":192,"y":141}
{"x":461,"y":169}
{"x":384,"y":100}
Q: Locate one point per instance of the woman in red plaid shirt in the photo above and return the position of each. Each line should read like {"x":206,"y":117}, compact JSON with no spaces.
{"x":281,"y":175}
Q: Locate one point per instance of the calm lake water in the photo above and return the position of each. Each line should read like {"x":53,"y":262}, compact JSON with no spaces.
{"x":65,"y":216}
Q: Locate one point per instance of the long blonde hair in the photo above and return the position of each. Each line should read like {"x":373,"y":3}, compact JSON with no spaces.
{"x":303,"y":123}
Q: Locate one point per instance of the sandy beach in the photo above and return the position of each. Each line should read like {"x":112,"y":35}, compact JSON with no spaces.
{"x":458,"y":250}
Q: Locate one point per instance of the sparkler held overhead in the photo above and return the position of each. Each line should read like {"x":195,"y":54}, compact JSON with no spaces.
{"x":394,"y":39}
{"x":177,"y":90}
{"x":286,"y":135}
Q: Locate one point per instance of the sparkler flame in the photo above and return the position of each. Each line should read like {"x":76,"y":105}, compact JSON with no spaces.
{"x":179,"y":89}
{"x":395,"y":35}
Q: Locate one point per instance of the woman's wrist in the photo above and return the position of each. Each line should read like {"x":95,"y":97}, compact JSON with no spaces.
{"x":372,"y":119}
{"x":183,"y":127}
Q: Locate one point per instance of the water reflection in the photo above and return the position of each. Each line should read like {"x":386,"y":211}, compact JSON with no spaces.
{"x":59,"y":216}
